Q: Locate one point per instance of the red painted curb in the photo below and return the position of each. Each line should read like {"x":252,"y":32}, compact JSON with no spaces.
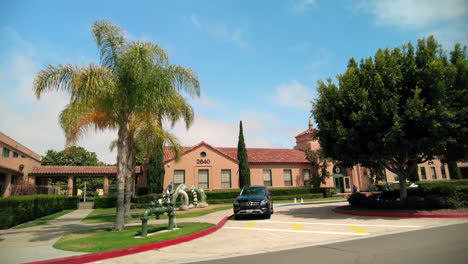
{"x":132,"y":250}
{"x":401,"y":214}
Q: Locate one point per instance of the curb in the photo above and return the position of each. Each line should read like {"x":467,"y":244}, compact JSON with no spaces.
{"x":420,"y":215}
{"x":132,"y":250}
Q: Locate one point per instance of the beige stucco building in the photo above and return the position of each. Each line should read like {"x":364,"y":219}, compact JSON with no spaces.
{"x":16,"y":162}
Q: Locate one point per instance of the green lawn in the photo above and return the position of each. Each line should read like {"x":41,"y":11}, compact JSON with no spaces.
{"x":308,"y":200}
{"x":108,"y":214}
{"x":44,"y":219}
{"x":105,"y":239}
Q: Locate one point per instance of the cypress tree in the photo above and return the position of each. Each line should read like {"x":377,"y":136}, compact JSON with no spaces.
{"x":156,"y":171}
{"x":244,"y":170}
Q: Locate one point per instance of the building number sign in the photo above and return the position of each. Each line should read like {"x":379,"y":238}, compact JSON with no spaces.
{"x":203,"y":161}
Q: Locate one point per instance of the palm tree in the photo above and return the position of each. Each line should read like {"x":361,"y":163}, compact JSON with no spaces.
{"x":133,"y":81}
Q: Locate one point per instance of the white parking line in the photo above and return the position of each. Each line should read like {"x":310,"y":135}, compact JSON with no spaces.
{"x":353,"y":224}
{"x":297,"y":231}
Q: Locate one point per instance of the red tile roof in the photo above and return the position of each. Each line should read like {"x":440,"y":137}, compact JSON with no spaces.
{"x":77,"y":170}
{"x":255,"y":155}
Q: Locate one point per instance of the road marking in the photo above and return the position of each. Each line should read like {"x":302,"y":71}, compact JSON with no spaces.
{"x":357,"y":229}
{"x":297,"y":227}
{"x":250,"y":224}
{"x":354,"y":224}
{"x":296,"y":231}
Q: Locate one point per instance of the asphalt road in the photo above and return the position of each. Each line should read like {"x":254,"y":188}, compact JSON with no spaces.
{"x":448,"y":244}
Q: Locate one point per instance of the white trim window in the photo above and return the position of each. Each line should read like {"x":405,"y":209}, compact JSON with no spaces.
{"x":287,"y":175}
{"x":226,"y":179}
{"x":179,"y":177}
{"x":307,"y":179}
{"x":203,"y":179}
{"x":267,"y":178}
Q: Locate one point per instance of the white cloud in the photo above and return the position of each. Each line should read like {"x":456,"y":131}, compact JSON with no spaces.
{"x":293,"y":94}
{"x":196,"y":22}
{"x":302,"y":6}
{"x":449,"y":36}
{"x":414,"y":13}
{"x":222,"y":31}
{"x":235,"y":36}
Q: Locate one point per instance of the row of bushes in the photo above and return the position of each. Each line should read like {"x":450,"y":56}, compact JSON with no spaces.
{"x":21,"y":209}
{"x":425,"y":197}
{"x":225,"y":196}
{"x":274,"y":198}
{"x":382,"y":187}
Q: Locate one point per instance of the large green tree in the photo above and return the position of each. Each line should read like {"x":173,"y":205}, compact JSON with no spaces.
{"x":242,"y":157}
{"x":133,"y":84}
{"x":392,"y":110}
{"x":71,"y":156}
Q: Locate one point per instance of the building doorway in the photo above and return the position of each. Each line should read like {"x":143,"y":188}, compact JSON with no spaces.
{"x":341,"y":180}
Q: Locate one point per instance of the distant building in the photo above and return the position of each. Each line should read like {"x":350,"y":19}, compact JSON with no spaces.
{"x":16,"y":162}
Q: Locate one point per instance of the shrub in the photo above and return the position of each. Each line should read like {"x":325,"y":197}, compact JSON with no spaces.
{"x":372,"y":188}
{"x":105,"y":202}
{"x":356,"y":198}
{"x":18,"y":210}
{"x":328,"y":191}
{"x":227,"y":194}
{"x":274,"y":198}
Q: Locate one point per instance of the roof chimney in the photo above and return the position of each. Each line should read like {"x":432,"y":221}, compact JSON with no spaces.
{"x":311,"y":125}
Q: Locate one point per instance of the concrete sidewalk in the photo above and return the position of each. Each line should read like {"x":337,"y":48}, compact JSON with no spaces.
{"x":35,"y":243}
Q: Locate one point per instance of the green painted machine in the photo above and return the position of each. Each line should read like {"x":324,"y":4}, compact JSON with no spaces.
{"x":157,"y":208}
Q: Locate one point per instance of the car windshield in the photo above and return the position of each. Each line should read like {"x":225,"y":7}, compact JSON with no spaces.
{"x":252,"y":191}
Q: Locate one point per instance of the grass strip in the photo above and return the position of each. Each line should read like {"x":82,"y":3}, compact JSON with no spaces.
{"x":101,"y":240}
{"x":108,"y":214}
{"x":44,"y":219}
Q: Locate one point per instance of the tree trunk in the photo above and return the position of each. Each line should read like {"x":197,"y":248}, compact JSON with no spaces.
{"x":454,"y":171}
{"x":123,"y":150}
{"x":403,"y":192}
{"x":128,"y":184}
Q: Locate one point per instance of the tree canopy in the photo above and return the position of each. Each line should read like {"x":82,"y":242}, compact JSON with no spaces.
{"x":71,"y":156}
{"x":396,"y":109}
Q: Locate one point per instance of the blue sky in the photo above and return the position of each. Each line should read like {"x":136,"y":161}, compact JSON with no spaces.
{"x":257,"y":61}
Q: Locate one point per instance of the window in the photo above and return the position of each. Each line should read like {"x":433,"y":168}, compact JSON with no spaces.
{"x":433,"y":172}
{"x":267,"y":178}
{"x":442,"y":170}
{"x":179,"y":177}
{"x":287,"y":177}
{"x":203,"y":154}
{"x":423,"y":173}
{"x":306,"y":174}
{"x":225,"y":178}
{"x":384,"y":173}
{"x":203,"y":179}
{"x":396,"y":178}
{"x":15,"y":155}
{"x":6,"y":153}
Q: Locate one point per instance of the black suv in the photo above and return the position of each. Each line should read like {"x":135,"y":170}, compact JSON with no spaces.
{"x":253,"y":200}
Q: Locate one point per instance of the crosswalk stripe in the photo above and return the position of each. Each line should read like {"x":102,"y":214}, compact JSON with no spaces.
{"x":357,"y":229}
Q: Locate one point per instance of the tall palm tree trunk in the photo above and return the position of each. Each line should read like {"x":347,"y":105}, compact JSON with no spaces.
{"x":123,"y":150}
{"x":128,"y":180}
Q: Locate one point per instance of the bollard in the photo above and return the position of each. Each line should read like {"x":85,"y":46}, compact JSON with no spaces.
{"x":144,"y":227}
{"x":302,"y":200}
{"x":295,"y":200}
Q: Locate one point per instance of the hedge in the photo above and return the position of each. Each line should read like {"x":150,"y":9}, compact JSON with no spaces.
{"x":430,"y":196}
{"x":21,"y":209}
{"x":231,"y":194}
{"x":105,"y":202}
{"x":396,"y":186}
{"x":274,"y":198}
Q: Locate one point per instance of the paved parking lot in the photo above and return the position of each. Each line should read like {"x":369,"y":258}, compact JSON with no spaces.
{"x":289,"y":227}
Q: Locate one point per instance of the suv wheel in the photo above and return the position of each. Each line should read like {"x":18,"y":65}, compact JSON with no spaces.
{"x":237,"y":216}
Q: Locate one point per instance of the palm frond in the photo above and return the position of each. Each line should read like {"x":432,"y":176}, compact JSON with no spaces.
{"x":185,"y":79}
{"x":58,"y":78}
{"x":110,"y":41}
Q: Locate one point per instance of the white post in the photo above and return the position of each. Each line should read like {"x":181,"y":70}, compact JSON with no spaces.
{"x":84,"y":193}
{"x":302,"y":200}
{"x":295,"y":200}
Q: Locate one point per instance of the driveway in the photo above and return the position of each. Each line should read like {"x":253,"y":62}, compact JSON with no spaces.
{"x":289,"y":227}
